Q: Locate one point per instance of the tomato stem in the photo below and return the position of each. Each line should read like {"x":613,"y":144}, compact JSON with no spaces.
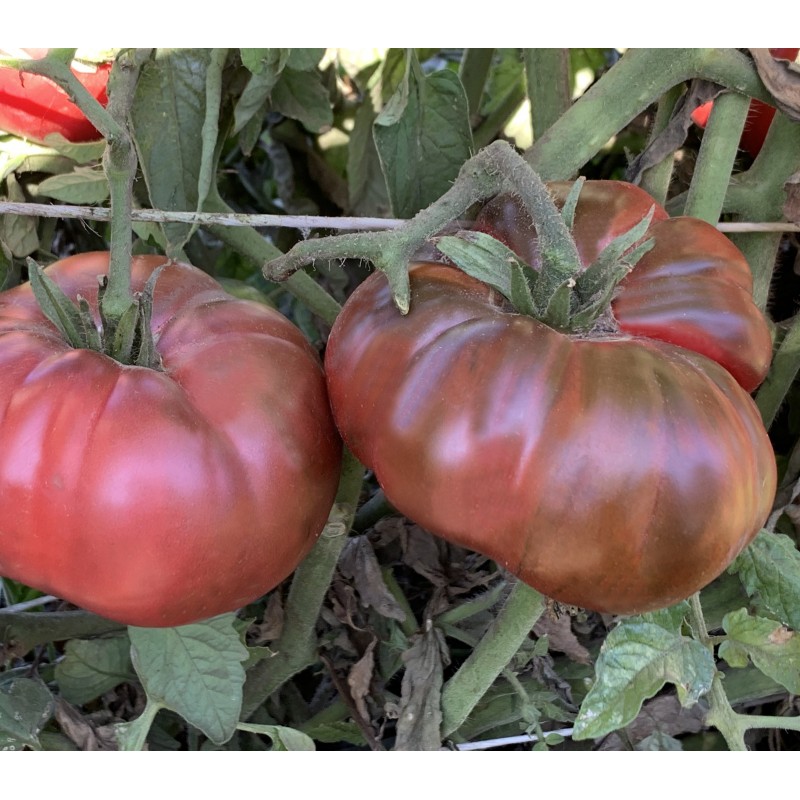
{"x":548,"y":80}
{"x":499,"y":645}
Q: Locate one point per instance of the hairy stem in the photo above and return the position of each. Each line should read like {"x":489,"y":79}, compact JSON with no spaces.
{"x":501,"y":642}
{"x":655,"y":180}
{"x":547,"y":77}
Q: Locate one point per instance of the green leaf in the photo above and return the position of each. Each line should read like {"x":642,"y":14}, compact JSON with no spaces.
{"x":195,"y":670}
{"x":507,"y":73}
{"x":489,"y":260}
{"x":770,"y":569}
{"x":305,"y":58}
{"x":423,"y":137}
{"x":366,"y":185}
{"x":25,"y":707}
{"x":637,"y":659}
{"x":210,"y":132}
{"x":82,"y":187}
{"x":91,"y":667}
{"x":80,"y":152}
{"x":167,"y":120}
{"x":17,"y":231}
{"x":259,"y":87}
{"x":659,"y":741}
{"x":571,"y":203}
{"x":258,"y":59}
{"x":773,"y":649}
{"x":302,"y":96}
{"x":333,"y":732}
{"x":283,"y":738}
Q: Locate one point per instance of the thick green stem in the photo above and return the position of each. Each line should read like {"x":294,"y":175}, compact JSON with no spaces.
{"x":715,"y":160}
{"x":474,"y":70}
{"x":501,"y":642}
{"x":656,"y":179}
{"x":253,"y":246}
{"x":628,"y":88}
{"x":376,"y":508}
{"x":21,"y":631}
{"x":297,"y":646}
{"x":547,"y":76}
{"x":782,"y":373}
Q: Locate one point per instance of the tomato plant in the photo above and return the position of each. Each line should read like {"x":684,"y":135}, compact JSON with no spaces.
{"x":759,"y":117}
{"x":159,"y":497}
{"x":619,"y":470}
{"x":34,"y":107}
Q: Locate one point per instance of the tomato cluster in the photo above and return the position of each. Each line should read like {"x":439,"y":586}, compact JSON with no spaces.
{"x":619,"y":471}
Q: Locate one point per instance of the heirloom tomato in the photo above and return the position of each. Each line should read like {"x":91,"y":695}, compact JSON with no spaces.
{"x":619,"y":469}
{"x":158,"y":497}
{"x":33,"y":107}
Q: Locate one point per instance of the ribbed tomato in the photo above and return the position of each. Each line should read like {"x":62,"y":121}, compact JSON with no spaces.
{"x":612,"y":471}
{"x":160,"y":497}
{"x":34,"y":107}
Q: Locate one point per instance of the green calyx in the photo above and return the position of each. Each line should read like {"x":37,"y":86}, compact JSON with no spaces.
{"x":127,"y":339}
{"x":563,"y":293}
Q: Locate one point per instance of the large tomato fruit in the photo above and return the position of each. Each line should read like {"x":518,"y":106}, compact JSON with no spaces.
{"x":33,"y":107}
{"x":613,"y":471}
{"x":159,"y":498}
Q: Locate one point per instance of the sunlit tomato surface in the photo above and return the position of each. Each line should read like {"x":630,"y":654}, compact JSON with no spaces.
{"x":759,"y":116}
{"x":153,"y":497}
{"x":615,"y":472}
{"x":33,"y":107}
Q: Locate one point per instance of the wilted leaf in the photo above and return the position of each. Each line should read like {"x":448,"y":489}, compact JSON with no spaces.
{"x":25,"y":707}
{"x":637,"y":659}
{"x":195,"y":670}
{"x":420,"y":712}
{"x":81,"y":731}
{"x":360,"y":677}
{"x":782,"y":79}
{"x":561,"y":638}
{"x":359,"y":563}
{"x":770,"y":568}
{"x":770,"y":646}
{"x":91,"y":667}
{"x":423,"y":137}
{"x":82,"y":187}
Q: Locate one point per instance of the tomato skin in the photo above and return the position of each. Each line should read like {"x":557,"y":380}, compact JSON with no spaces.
{"x":158,"y":498}
{"x":759,"y":116}
{"x":693,"y":289}
{"x":33,"y":107}
{"x":618,"y":474}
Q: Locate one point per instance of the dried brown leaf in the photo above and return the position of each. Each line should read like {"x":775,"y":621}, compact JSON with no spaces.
{"x":360,"y":677}
{"x":81,"y":730}
{"x":271,"y":627}
{"x":420,"y":713}
{"x":791,"y":208}
{"x":561,"y":638}
{"x":359,"y":563}
{"x":782,"y":79}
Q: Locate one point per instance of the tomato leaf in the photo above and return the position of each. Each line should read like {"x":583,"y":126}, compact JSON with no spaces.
{"x":167,"y":120}
{"x":770,"y":569}
{"x":56,"y":306}
{"x":332,"y":732}
{"x":772,"y":648}
{"x":423,"y":137}
{"x":266,"y":65}
{"x":637,"y":659}
{"x":83,"y":186}
{"x":195,"y":670}
{"x":91,"y":667}
{"x":489,"y":260}
{"x":25,"y":707}
{"x":366,"y":185}
{"x":79,"y":152}
{"x":301,"y":95}
{"x":283,"y":738}
{"x":420,"y":714}
{"x":17,"y":231}
{"x":305,"y":58}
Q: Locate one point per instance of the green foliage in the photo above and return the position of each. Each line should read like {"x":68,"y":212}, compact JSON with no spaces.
{"x":25,"y":707}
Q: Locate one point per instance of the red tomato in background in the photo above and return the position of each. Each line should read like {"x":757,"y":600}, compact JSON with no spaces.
{"x":159,"y":498}
{"x":759,"y":117}
{"x":34,"y":107}
{"x":614,"y":471}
